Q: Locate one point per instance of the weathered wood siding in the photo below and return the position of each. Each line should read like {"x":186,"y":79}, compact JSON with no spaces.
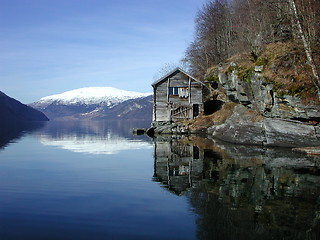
{"x":176,"y":166}
{"x":161,"y":102}
{"x":165,"y":103}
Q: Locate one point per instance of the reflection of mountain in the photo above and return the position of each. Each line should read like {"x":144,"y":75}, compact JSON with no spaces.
{"x":12,"y":132}
{"x":93,"y":137}
{"x":241,"y":192}
{"x":109,"y":144}
{"x":16,"y":119}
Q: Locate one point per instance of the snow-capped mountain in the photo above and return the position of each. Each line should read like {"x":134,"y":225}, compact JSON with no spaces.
{"x":86,"y":103}
{"x":105,"y":96}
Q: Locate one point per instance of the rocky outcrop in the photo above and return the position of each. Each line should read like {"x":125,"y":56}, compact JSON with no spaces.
{"x":264,"y":114}
{"x":168,"y":128}
{"x":251,"y":89}
{"x":249,"y":127}
{"x":308,"y":150}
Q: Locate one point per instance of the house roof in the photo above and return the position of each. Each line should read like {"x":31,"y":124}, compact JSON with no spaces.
{"x":173,"y":72}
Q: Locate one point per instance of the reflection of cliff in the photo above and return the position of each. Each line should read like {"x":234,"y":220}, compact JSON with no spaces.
{"x":246,"y":192}
{"x":93,"y":137}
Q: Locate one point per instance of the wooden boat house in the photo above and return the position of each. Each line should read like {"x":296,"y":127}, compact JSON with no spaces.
{"x":177,"y":96}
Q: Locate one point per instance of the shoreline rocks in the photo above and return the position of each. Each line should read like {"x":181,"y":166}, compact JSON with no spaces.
{"x":248,"y":127}
{"x":308,"y":150}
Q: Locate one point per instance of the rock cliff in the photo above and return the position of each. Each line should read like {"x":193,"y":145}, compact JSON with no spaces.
{"x":263,"y":115}
{"x":258,"y":93}
{"x":249,"y":127}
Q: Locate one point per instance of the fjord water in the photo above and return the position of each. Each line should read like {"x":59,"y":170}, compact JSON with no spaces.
{"x":94,"y":180}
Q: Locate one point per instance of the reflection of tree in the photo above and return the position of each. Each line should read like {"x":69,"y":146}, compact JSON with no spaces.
{"x":246,"y":192}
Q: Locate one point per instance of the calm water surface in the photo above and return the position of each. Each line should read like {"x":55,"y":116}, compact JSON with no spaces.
{"x":94,"y":180}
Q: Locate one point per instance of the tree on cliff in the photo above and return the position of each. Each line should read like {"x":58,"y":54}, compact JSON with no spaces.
{"x":213,"y":37}
{"x":225,"y":28}
{"x":306,"y":33}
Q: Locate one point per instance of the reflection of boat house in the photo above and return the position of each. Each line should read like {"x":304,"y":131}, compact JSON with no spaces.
{"x":242,"y":192}
{"x":177,"y":96}
{"x":178,"y":166}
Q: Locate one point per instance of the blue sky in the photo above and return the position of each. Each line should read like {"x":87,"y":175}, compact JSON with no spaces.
{"x":52,"y":46}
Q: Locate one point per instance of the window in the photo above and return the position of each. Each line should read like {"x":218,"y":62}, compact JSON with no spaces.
{"x":183,"y":92}
{"x":173,"y":91}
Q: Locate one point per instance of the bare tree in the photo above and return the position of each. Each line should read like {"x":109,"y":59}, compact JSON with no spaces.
{"x":228,"y":27}
{"x":214,"y":37}
{"x":305,"y":38}
{"x":168,"y":67}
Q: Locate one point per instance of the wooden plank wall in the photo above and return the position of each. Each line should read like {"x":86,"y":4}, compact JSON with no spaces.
{"x":162,"y":99}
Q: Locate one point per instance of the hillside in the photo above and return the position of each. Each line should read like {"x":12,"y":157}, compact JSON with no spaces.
{"x":132,"y":109}
{"x":282,"y":64}
{"x":13,"y":111}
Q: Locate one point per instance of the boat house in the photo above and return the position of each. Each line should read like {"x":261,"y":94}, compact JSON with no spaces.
{"x":177,"y":96}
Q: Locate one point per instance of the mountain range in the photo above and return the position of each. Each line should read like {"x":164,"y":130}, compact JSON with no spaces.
{"x":96,"y":103}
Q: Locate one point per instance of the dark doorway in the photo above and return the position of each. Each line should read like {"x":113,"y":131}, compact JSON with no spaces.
{"x":195,"y":110}
{"x":212,"y":106}
{"x":196,"y":153}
